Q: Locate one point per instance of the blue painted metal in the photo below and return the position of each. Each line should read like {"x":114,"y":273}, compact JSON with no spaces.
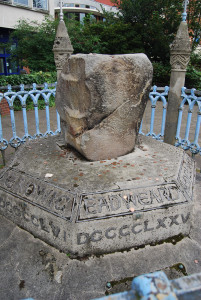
{"x":154,"y":286}
{"x":150,"y":286}
{"x":156,"y":94}
{"x":191,"y":100}
{"x":23,"y":95}
{"x":184,"y":14}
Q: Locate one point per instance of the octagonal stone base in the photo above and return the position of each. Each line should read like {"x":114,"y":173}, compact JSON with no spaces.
{"x":87,"y":208}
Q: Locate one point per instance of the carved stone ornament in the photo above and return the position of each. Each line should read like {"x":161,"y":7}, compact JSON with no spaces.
{"x":62,"y":47}
{"x":60,"y":59}
{"x":179,"y":61}
{"x":180,"y":49}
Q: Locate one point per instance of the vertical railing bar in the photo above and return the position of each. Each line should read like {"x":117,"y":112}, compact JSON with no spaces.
{"x":153,"y":107}
{"x":12,"y":115}
{"x":197,"y":129}
{"x":47,"y":116}
{"x":163,"y":121}
{"x":188,"y":126}
{"x":140,"y":130}
{"x":26,"y":134}
{"x":37,"y":119}
{"x":179,"y":123}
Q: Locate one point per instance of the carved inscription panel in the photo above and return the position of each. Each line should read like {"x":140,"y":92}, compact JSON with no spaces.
{"x":132,"y":230}
{"x":44,"y":195}
{"x":31,"y":217}
{"x":108,"y":204}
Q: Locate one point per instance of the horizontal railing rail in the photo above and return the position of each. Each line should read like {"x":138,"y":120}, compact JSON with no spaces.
{"x":190,"y":102}
{"x":26,"y":86}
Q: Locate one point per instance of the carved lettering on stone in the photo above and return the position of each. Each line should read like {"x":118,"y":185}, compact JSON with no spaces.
{"x":54,"y":199}
{"x":120,"y":202}
{"x":135,"y":229}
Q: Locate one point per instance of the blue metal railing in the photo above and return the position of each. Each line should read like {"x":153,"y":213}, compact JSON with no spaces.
{"x":157,"y":286}
{"x":190,"y":98}
{"x":22,"y":95}
{"x":155,"y":96}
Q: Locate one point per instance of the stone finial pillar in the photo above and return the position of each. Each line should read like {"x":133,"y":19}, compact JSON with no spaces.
{"x":62,"y":45}
{"x":179,"y":58}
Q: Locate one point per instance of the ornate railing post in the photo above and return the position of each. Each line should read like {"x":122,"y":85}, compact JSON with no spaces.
{"x":62,"y":45}
{"x":179,"y":58}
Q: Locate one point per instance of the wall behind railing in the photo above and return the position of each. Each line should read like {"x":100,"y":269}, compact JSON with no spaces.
{"x":189,"y":117}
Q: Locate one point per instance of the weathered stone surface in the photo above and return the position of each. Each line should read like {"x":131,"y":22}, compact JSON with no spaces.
{"x":62,"y":47}
{"x":179,"y":58}
{"x":100,"y":207}
{"x":101,"y":99}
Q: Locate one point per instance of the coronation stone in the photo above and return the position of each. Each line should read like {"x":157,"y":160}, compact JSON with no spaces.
{"x":101,"y":101}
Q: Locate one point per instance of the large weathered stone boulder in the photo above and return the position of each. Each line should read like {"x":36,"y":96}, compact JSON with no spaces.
{"x":101,"y":100}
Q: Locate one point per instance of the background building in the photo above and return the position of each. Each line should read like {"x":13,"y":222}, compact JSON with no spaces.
{"x":79,"y":8}
{"x":10,"y":12}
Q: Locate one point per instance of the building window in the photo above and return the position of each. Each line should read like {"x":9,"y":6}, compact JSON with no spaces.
{"x":41,"y":4}
{"x":21,"y":2}
{"x":7,"y":65}
{"x":68,"y":5}
{"x":2,"y":66}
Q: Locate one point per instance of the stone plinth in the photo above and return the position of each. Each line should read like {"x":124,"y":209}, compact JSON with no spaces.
{"x":99,"y":207}
{"x":101,"y":100}
{"x":179,"y":58}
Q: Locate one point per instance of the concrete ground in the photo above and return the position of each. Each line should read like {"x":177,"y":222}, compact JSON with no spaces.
{"x":31,"y":268}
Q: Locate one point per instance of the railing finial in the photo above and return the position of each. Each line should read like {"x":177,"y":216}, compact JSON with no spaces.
{"x":184,"y":15}
{"x":61,"y":12}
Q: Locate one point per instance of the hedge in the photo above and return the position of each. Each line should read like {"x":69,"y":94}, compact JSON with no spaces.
{"x":161,"y":77}
{"x":38,"y":78}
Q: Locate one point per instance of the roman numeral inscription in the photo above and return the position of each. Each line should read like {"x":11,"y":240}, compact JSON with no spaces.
{"x":117,"y":232}
{"x":108,"y":204}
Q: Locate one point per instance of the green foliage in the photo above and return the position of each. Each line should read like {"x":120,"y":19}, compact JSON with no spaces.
{"x":193,"y":78}
{"x":156,"y":21}
{"x":193,"y":74}
{"x":34,"y":44}
{"x":30,"y":106}
{"x":195,"y":61}
{"x":147,"y":26}
{"x":82,"y":38}
{"x":161,"y":74}
{"x":194,"y":21}
{"x":37,"y":77}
